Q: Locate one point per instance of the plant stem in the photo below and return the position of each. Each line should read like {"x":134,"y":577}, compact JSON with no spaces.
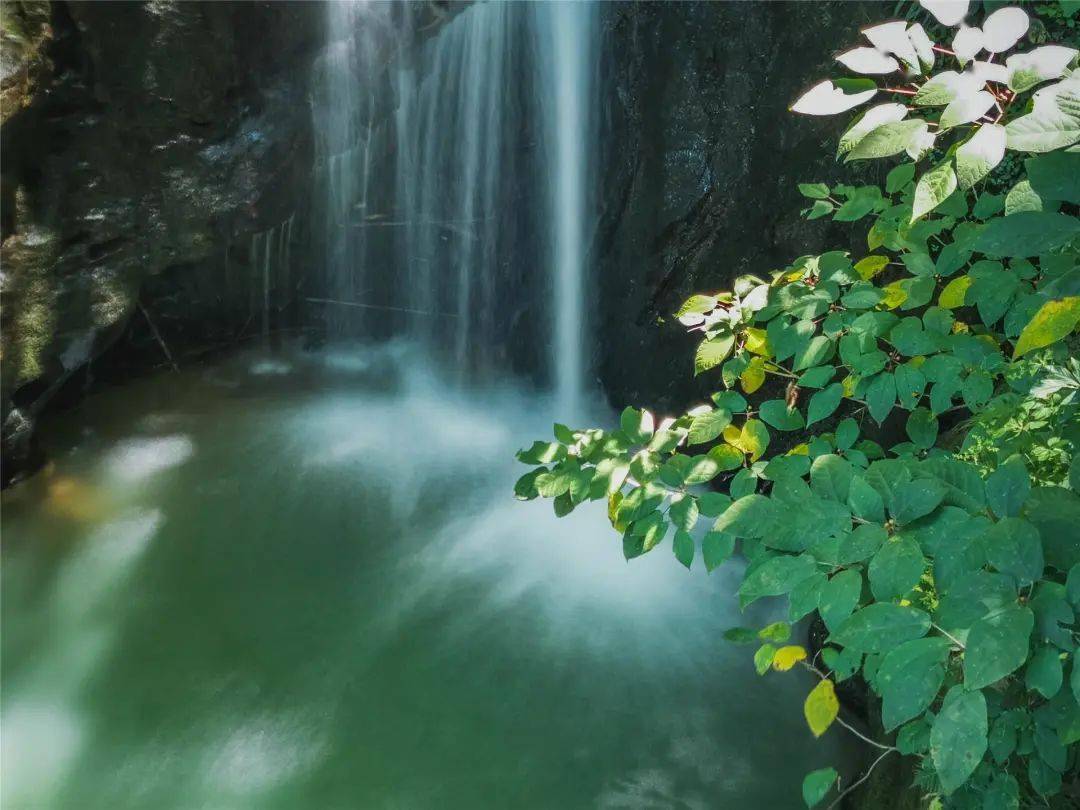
{"x":864,"y":777}
{"x":949,"y":636}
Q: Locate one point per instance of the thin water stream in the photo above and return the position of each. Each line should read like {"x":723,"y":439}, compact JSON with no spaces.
{"x":302,"y":582}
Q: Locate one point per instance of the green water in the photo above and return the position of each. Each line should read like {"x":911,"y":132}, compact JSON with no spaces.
{"x":303,"y":583}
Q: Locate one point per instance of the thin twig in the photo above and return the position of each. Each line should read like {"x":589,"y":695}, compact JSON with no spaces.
{"x":377,"y":306}
{"x":949,"y":636}
{"x":865,"y":776}
{"x":157,"y":336}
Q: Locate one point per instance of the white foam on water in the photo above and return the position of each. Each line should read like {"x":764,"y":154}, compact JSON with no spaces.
{"x":134,"y":460}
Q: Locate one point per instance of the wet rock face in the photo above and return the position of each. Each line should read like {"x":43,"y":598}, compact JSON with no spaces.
{"x":700,"y":170}
{"x":140,"y":141}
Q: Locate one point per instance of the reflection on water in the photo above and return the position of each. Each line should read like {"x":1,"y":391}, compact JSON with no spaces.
{"x":302,"y":581}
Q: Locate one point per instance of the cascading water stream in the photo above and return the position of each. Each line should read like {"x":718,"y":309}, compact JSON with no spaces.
{"x":456,"y":201}
{"x":568,"y":36}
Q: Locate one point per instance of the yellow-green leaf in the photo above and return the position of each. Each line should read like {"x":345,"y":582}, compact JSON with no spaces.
{"x":1053,"y":321}
{"x":954,"y":293}
{"x":821,"y":706}
{"x":712,"y":352}
{"x":754,"y":376}
{"x":754,"y":438}
{"x":870,"y":266}
{"x":895,"y":295}
{"x":757,"y":342}
{"x":787,"y":657}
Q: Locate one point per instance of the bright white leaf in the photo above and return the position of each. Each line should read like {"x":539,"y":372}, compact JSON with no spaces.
{"x":1054,"y":121}
{"x":945,"y":87}
{"x":989,"y":72}
{"x":825,"y":98}
{"x":892,"y":37}
{"x":966,"y":109}
{"x":967,"y":43}
{"x":868,"y":60}
{"x":923,"y":45}
{"x":947,"y":12}
{"x":1003,"y":29}
{"x":1025,"y":70}
{"x":921,"y":142}
{"x":874,"y":117}
{"x":977,"y":156}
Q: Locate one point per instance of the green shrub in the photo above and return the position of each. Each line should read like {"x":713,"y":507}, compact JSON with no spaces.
{"x":946,"y":567}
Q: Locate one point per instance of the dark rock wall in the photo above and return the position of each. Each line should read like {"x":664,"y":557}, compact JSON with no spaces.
{"x":701,"y":163}
{"x":140,"y":141}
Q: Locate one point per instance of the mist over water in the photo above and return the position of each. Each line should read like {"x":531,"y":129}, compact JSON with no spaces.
{"x":303,"y":581}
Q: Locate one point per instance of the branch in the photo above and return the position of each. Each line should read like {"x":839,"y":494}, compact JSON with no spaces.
{"x":865,"y":776}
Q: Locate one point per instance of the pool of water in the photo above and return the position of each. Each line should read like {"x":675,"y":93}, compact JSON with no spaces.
{"x":302,"y":581}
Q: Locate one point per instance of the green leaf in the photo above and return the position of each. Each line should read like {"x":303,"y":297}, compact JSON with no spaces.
{"x":1055,"y":511}
{"x":777,"y":631}
{"x":814,"y":353}
{"x":862,"y":543}
{"x":839,"y":597}
{"x":775,"y":577}
{"x":922,"y":428}
{"x":1044,"y":673}
{"x":1013,"y":547}
{"x":776,"y":413}
{"x":888,"y":139}
{"x":997,"y":645}
{"x":707,"y":426}
{"x":830,"y":477}
{"x":726,"y":457}
{"x":815,"y":191}
{"x":716,"y":548}
{"x":763,"y":658}
{"x":683,"y":546}
{"x":896,"y":569}
{"x":824,"y":402}
{"x":750,"y":516}
{"x":1022,"y":197}
{"x":846,"y":434}
{"x":684,"y":512}
{"x":909,"y":678}
{"x":1055,"y":175}
{"x":1054,"y":320}
{"x":741,"y":635}
{"x":702,"y":470}
{"x":958,"y":737}
{"x":637,"y":425}
{"x":899,"y":177}
{"x":865,"y":502}
{"x":932,"y":189}
{"x":744,"y":483}
{"x":912,"y":500}
{"x":1027,"y":233}
{"x":711,"y":353}
{"x":542,"y":453}
{"x":881,"y":396}
{"x":880,"y":627}
{"x":1008,"y":487}
{"x":1053,"y":123}
{"x":817,"y":784}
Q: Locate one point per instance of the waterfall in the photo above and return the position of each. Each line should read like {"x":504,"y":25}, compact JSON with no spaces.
{"x":269,"y":259}
{"x":454,"y":192}
{"x":568,"y":35}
